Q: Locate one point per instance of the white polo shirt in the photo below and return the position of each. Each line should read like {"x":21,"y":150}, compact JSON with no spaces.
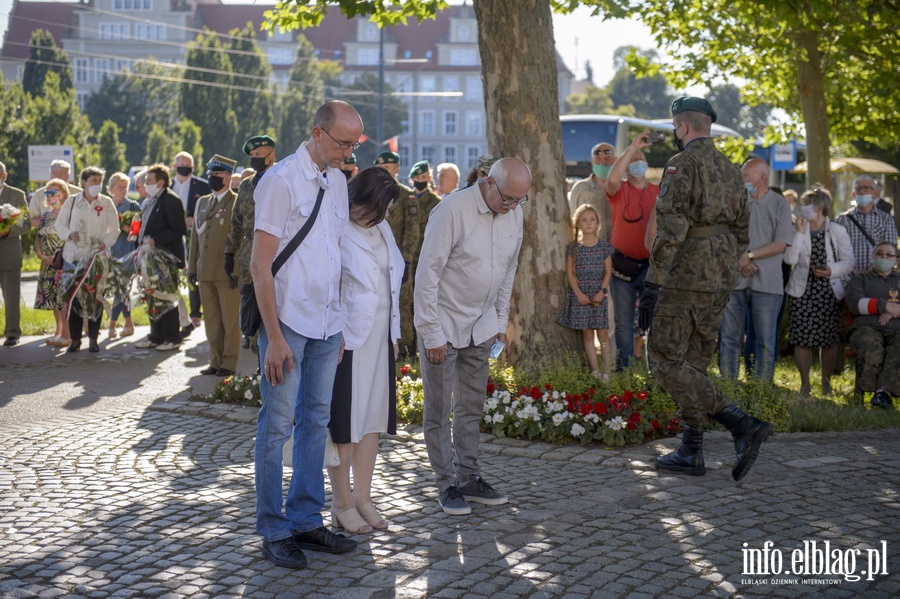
{"x":307,"y":288}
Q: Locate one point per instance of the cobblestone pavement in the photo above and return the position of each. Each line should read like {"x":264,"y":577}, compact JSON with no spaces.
{"x":157,"y":501}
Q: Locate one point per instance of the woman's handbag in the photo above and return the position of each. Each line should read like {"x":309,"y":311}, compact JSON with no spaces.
{"x":627,"y":268}
{"x":57,"y":262}
{"x":249,"y":312}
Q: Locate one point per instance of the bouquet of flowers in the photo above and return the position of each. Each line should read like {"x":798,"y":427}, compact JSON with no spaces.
{"x":9,"y":216}
{"x":158,"y":279}
{"x":94,"y":281}
{"x":127,"y":222}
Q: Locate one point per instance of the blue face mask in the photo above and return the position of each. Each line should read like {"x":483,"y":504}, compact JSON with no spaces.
{"x":883,"y":265}
{"x":750,"y":187}
{"x":637,"y":169}
{"x":864,"y":200}
{"x":601,"y":171}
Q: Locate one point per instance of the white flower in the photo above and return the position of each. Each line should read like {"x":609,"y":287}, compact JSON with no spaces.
{"x":592,"y":418}
{"x":536,"y":417}
{"x":560,"y":417}
{"x":248,"y":394}
{"x":490,"y":404}
{"x":577,"y":430}
{"x":555,"y":395}
{"x":528,"y":412}
{"x":616,"y":423}
{"x":556,"y":406}
{"x":497,"y":418}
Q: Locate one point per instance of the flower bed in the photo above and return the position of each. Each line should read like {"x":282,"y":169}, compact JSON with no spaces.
{"x":236,"y":389}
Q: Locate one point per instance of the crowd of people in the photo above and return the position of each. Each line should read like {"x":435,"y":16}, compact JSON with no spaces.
{"x":352,"y":269}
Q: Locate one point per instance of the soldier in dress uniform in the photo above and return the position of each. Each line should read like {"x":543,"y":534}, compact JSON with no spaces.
{"x":11,"y":259}
{"x":408,"y":219}
{"x":206,"y":267}
{"x":702,"y":218}
{"x":239,"y":243}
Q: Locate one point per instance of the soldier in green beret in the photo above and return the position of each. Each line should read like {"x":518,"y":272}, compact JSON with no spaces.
{"x":408,"y":219}
{"x":702,"y":219}
{"x":239,"y":243}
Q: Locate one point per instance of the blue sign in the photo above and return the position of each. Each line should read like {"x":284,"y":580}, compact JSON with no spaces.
{"x":784,"y":156}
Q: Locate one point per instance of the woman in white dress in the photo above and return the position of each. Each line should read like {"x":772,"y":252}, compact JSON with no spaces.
{"x":364,"y":400}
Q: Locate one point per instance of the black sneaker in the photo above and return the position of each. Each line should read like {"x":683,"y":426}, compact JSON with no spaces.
{"x":453,"y":502}
{"x":322,"y":539}
{"x":478,"y":491}
{"x":284,"y":553}
{"x":187,"y":330}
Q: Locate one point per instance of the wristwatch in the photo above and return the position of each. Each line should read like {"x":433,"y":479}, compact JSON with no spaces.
{"x":605,"y":292}
{"x":749,"y":254}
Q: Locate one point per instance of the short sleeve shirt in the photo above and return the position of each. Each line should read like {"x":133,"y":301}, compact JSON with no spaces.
{"x":770,"y":220}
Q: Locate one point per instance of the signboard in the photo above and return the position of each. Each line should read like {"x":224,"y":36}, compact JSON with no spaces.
{"x":784,"y":156}
{"x":40,"y":157}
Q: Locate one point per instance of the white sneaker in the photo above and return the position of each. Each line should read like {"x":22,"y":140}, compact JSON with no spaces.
{"x":167,"y":346}
{"x":145,"y":344}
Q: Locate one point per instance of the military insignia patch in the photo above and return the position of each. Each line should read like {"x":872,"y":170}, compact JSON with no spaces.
{"x":413,"y":209}
{"x":671,"y":169}
{"x":663,"y":190}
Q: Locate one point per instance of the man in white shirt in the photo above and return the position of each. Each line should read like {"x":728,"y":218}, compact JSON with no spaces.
{"x":300,"y":336}
{"x":463,"y":284}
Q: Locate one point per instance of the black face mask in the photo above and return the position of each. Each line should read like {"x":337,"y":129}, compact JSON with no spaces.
{"x":258,"y":163}
{"x":678,"y":143}
{"x":420,"y":185}
{"x":184,"y":171}
{"x":216,"y":183}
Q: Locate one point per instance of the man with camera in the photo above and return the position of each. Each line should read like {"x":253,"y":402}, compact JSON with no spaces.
{"x":632,"y":201}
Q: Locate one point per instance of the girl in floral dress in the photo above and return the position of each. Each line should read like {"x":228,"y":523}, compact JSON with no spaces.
{"x":46,"y":243}
{"x":588,"y":271}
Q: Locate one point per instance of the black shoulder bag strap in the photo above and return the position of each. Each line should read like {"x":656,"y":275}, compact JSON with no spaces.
{"x":863,"y":231}
{"x":294,"y":243}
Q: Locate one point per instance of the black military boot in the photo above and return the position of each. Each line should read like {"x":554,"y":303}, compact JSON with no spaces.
{"x":689,"y":457}
{"x":748,"y":433}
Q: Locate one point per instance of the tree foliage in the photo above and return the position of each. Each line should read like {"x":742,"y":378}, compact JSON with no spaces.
{"x":749,"y":121}
{"x":303,"y":97}
{"x":45,"y":56}
{"x":159,"y":146}
{"x":394,"y":111}
{"x":206,"y":93}
{"x":111,"y":150}
{"x":595,"y":100}
{"x":829,"y":64}
{"x":135,"y":101}
{"x":252,"y":96}
{"x":648,"y":94}
{"x":189,"y":139}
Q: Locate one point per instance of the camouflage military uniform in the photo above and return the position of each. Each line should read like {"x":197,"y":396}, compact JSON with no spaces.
{"x":702,"y":221}
{"x":240,"y":240}
{"x":877,"y":345}
{"x":408,"y":218}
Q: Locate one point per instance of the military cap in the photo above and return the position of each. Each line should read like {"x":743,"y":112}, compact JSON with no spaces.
{"x":351,"y":160}
{"x":220,"y":163}
{"x":258,"y":141}
{"x":419,"y":168}
{"x":693,"y":104}
{"x":388,"y":158}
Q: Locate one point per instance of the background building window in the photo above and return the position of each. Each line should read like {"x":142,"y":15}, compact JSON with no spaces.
{"x":474,"y":126}
{"x":82,"y":66}
{"x":463,"y":57}
{"x":451,"y":84}
{"x":426,"y":122}
{"x":404,"y":160}
{"x":474,"y":89}
{"x":428,"y":154}
{"x":367,"y":56}
{"x":115,"y":31}
{"x":150,"y":32}
{"x":472,"y":154}
{"x":101,"y":69}
{"x":450,"y":123}
{"x":428,"y":84}
{"x":450,"y":154}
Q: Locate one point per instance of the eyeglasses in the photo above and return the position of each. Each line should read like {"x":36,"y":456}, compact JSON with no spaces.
{"x":343,"y":145}
{"x":864,"y":187}
{"x":604,"y":151}
{"x":508,"y":201}
{"x":884,"y":255}
{"x":50,"y":192}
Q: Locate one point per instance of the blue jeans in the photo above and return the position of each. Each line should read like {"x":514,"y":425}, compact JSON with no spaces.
{"x":301,"y":404}
{"x":763,"y":309}
{"x":624,"y":294}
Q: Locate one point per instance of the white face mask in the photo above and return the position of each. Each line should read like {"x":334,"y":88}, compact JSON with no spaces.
{"x":151,"y":188}
{"x":94,"y":190}
{"x":808,"y":212}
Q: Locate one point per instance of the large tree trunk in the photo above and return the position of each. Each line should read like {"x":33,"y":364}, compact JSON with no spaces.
{"x":518,"y":61}
{"x":811,"y":86}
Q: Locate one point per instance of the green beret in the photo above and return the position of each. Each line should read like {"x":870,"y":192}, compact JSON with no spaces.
{"x":388,"y":158}
{"x":220,"y":163}
{"x":258,"y":142}
{"x":351,"y":160}
{"x":418,"y":168}
{"x":693,"y":104}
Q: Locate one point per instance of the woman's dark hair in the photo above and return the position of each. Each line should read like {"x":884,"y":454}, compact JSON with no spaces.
{"x":371,"y":191}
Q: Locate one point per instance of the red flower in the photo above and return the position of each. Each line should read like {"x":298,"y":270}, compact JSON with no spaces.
{"x":548,"y":386}
{"x":635,"y":417}
{"x":404,"y":370}
{"x":490,"y":388}
{"x":642,"y":395}
{"x":536,"y":393}
{"x":613,"y":398}
{"x":585,"y":409}
{"x":654,"y":424}
{"x":627,"y":395}
{"x":632,"y":426}
{"x":600,"y":408}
